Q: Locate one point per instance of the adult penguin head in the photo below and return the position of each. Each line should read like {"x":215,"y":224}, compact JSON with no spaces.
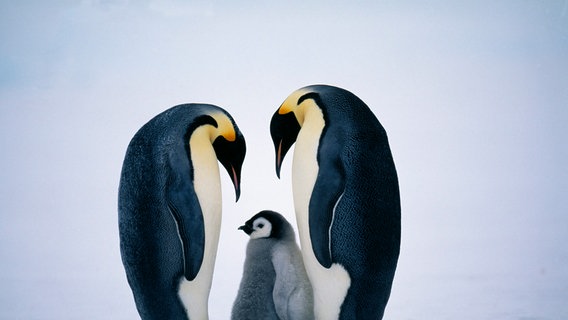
{"x":287,"y":122}
{"x":230,"y":148}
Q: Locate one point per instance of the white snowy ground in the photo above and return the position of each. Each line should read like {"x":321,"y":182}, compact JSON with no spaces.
{"x":473,"y":94}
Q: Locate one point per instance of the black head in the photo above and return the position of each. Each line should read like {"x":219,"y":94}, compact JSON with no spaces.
{"x":288,"y":120}
{"x":284,"y":129}
{"x":231,"y":154}
{"x":268,"y":224}
{"x":227,"y":140}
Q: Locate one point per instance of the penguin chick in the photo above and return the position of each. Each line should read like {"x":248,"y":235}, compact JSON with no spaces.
{"x":275,"y":284}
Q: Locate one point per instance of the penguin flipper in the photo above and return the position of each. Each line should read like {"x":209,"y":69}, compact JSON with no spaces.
{"x":191,"y":232}
{"x":186,"y":211}
{"x":190,"y":229}
{"x":327,"y":192}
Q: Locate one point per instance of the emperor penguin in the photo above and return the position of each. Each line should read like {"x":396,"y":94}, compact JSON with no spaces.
{"x":169,"y":207}
{"x":346,"y":198}
{"x":274,"y":284}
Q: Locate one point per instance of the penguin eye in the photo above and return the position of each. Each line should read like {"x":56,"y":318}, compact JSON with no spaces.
{"x":262,"y":229}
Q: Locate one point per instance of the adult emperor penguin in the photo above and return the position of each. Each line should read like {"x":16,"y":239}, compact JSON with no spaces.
{"x":274,"y":284}
{"x":346,"y":199}
{"x":169,"y":207}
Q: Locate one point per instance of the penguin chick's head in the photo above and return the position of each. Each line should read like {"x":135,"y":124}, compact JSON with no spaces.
{"x":230,"y":147}
{"x":288,"y":119}
{"x":268,"y":224}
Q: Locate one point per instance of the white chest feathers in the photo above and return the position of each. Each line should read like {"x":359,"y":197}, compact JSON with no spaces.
{"x":195,"y":294}
{"x":329,"y":285}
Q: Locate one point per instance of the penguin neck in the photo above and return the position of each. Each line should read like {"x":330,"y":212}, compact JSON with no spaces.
{"x":330,"y":285}
{"x":305,"y":166}
{"x":206,"y":181}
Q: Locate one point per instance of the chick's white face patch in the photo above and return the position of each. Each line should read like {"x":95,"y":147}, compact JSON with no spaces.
{"x":262,"y":228}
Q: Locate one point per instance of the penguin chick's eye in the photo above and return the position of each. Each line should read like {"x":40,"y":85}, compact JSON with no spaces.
{"x":262,"y":229}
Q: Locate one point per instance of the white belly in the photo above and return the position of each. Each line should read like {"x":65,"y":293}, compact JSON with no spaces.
{"x":195,"y":294}
{"x":329,"y":285}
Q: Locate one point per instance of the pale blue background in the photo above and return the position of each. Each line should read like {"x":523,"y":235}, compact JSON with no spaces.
{"x":473,"y":94}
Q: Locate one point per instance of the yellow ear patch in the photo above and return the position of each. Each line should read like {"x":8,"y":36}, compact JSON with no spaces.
{"x":291,"y":105}
{"x":287,"y":106}
{"x":224,"y":128}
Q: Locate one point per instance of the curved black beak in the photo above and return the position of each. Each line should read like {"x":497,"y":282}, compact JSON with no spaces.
{"x":236,"y":178}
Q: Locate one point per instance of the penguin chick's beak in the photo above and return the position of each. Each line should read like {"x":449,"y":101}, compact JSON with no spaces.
{"x":248,"y":230}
